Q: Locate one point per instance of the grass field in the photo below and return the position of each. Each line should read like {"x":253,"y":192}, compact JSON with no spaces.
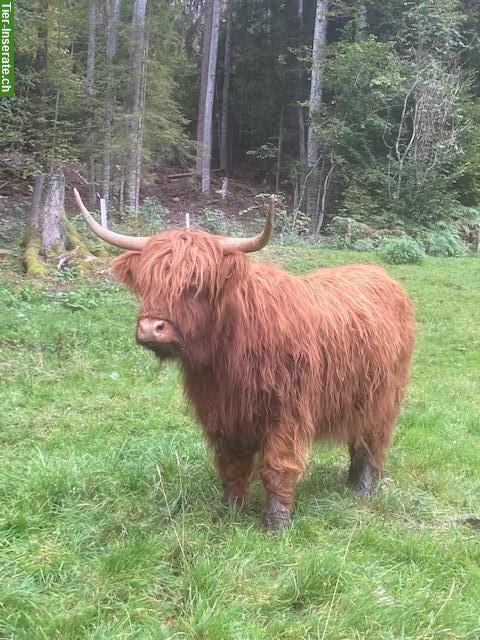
{"x":110,"y":524}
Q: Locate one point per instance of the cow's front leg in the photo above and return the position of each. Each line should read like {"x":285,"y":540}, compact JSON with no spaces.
{"x":282,"y":462}
{"x":235,"y":467}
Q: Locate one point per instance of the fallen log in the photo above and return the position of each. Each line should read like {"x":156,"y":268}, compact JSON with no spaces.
{"x":187,"y":174}
{"x":177,"y":176}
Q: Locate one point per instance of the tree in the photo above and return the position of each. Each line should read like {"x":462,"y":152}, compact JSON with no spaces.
{"x":112,"y":12}
{"x":313,"y":148}
{"x":90,"y":105}
{"x":300,"y":113}
{"x":45,"y":233}
{"x":207,"y":91}
{"x":226,"y":89}
{"x":46,"y":218}
{"x":134,"y":104}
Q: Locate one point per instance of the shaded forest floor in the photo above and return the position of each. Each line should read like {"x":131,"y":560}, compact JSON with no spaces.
{"x":178,"y":196}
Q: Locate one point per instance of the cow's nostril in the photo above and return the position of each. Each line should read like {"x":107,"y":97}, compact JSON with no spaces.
{"x":150,"y":329}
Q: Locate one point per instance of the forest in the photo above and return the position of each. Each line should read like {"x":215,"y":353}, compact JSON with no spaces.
{"x":363,"y":117}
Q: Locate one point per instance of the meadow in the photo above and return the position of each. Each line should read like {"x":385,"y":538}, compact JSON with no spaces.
{"x":110,"y":522}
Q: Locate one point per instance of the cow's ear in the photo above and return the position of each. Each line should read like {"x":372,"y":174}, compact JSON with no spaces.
{"x":124,"y":268}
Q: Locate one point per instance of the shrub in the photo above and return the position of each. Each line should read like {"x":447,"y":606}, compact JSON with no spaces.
{"x":152,"y":214}
{"x":344,"y":233}
{"x":214,"y":221}
{"x":444,"y":244}
{"x":363,"y":244}
{"x":292,"y":228}
{"x":402,"y":250}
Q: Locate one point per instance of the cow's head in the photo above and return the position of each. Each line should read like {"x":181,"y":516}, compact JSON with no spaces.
{"x":184,"y":279}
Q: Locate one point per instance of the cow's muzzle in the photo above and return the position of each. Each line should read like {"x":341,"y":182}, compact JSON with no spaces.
{"x":151,"y":331}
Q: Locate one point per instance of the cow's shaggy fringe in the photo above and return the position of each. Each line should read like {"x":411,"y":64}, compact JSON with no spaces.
{"x":274,"y":361}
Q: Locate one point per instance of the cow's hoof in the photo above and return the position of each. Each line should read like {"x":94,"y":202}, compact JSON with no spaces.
{"x":277,"y":516}
{"x":233,"y":501}
{"x":362,"y":477}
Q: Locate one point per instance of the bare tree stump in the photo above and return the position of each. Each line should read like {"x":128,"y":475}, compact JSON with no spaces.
{"x":51,"y":211}
{"x":49,"y":234}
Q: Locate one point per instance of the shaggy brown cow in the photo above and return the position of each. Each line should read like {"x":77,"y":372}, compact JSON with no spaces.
{"x":272,"y":361}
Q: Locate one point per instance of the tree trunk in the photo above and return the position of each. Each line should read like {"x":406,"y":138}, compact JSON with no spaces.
{"x":313,"y":149}
{"x":90,"y":94}
{"x":302,"y":155}
{"x":112,"y":12}
{"x":48,"y":233}
{"x":141,"y":119}
{"x":209,"y":96}
{"x":52,"y":207}
{"x":361,"y":24}
{"x":40,"y":65}
{"x":207,"y":36}
{"x":134,"y":101}
{"x":226,"y":90}
{"x":35,"y":206}
{"x":279,"y":151}
{"x":269,"y":20}
{"x":47,"y":209}
{"x":41,"y":53}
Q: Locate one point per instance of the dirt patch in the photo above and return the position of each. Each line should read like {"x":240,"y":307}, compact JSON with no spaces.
{"x":181,"y":195}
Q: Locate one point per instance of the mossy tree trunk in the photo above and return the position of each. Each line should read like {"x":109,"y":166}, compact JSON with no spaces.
{"x":49,"y":234}
{"x":44,"y":234}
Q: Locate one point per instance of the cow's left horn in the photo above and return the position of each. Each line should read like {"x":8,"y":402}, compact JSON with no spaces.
{"x":248,"y":245}
{"x":116,"y":239}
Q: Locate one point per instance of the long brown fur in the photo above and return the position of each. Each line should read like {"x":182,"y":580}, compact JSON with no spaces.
{"x":273,"y":361}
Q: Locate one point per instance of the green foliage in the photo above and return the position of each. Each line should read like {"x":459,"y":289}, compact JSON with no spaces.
{"x":399,"y":128}
{"x":214,"y":221}
{"x":110,"y":519}
{"x":47,"y":116}
{"x":363,"y":244}
{"x":443,"y":244}
{"x":152,"y":214}
{"x":78,"y":300}
{"x":289,"y":226}
{"x":264,"y":152}
{"x":402,"y":250}
{"x":166,"y":136}
{"x":347,"y":233}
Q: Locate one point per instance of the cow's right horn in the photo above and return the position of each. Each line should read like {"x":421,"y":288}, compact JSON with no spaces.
{"x":116,"y":239}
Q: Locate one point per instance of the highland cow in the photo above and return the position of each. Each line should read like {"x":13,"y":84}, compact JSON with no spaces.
{"x":272,"y":361}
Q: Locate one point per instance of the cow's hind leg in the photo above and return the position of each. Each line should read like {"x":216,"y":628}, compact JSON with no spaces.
{"x":367,"y":458}
{"x":362,"y":475}
{"x":282,"y":462}
{"x":236,"y":469}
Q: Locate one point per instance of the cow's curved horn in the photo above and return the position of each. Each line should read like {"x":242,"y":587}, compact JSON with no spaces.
{"x":116,"y":239}
{"x":248,"y":245}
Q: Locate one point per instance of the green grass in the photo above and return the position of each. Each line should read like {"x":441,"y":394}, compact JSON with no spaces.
{"x":110,"y":525}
